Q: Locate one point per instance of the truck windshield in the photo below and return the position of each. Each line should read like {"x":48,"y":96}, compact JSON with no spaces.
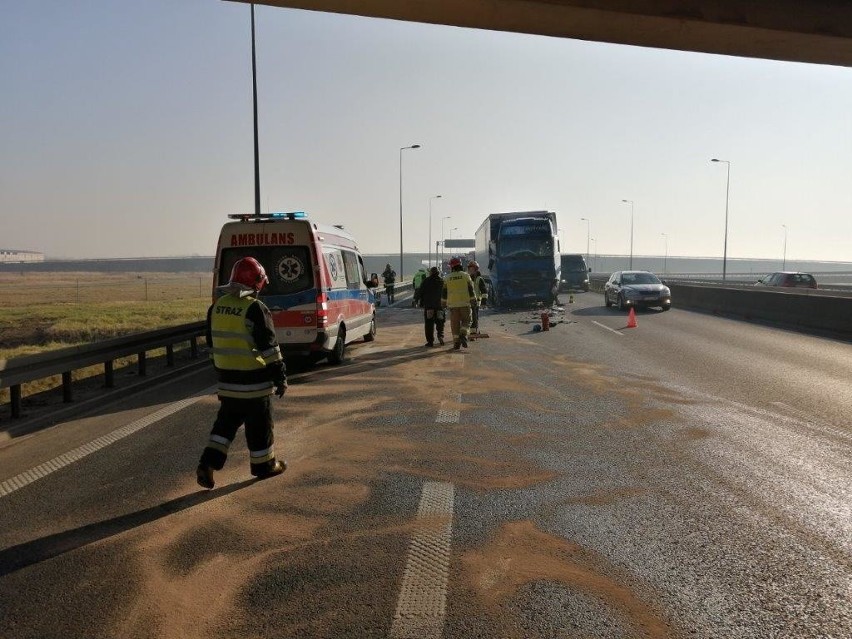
{"x":521,"y":246}
{"x":573,"y":265}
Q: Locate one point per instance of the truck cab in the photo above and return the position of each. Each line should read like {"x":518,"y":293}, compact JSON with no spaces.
{"x":520,"y":252}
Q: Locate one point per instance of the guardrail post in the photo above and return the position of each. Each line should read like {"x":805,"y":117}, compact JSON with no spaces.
{"x":143,"y":361}
{"x":170,"y":355}
{"x":193,"y":348}
{"x":15,"y":394}
{"x":67,"y":392}
{"x":109,"y":375}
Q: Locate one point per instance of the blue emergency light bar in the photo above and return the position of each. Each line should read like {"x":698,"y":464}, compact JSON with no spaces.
{"x":293,"y":215}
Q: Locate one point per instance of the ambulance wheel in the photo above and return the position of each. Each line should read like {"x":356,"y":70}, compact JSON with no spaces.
{"x":336,"y":355}
{"x":371,"y":335}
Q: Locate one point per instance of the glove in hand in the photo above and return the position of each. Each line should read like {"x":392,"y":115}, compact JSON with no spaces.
{"x":280,"y":389}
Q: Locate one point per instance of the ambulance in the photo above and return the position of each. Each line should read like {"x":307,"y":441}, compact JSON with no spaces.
{"x":318,"y":291}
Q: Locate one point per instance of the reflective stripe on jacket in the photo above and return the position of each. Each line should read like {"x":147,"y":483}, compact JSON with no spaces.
{"x":458,"y":290}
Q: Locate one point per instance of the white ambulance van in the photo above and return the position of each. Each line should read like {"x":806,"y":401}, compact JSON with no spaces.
{"x":318,"y":291}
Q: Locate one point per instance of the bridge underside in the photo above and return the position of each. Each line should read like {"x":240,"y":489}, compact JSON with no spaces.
{"x":816,"y":31}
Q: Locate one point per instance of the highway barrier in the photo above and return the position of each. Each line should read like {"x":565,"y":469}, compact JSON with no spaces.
{"x":19,"y":370}
{"x":800,"y":308}
{"x":812,"y":312}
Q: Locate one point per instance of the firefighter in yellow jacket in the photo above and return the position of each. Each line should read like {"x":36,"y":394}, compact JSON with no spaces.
{"x":249,"y":366}
{"x":458,"y":296}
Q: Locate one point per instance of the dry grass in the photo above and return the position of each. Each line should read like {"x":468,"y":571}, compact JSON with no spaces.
{"x":49,"y":311}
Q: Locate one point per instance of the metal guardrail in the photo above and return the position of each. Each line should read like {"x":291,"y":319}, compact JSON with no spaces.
{"x":400,"y":287}
{"x":19,"y":370}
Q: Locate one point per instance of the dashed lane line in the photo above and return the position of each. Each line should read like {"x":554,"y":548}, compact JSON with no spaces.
{"x":449,"y":415}
{"x":422,"y":604}
{"x":27,"y":477}
{"x":611,"y":330}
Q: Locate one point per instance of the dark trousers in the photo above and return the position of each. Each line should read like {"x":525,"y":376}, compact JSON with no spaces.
{"x":389,"y":291}
{"x":474,"y":318}
{"x":434,"y":319}
{"x":256,"y":414}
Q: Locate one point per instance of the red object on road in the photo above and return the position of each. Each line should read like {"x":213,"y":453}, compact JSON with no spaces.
{"x":631,"y":318}
{"x":545,"y":321}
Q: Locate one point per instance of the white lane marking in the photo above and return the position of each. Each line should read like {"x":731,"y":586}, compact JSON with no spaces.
{"x":611,"y":330}
{"x":422,"y":603}
{"x":27,"y":477}
{"x":809,"y":419}
{"x":449,"y":415}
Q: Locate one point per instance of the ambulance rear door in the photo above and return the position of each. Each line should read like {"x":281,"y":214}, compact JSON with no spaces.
{"x":286,"y":250}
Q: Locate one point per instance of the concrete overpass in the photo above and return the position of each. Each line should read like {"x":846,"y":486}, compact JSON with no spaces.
{"x":815,"y":31}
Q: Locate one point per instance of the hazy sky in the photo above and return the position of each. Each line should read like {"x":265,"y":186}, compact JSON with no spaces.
{"x":126,"y":130}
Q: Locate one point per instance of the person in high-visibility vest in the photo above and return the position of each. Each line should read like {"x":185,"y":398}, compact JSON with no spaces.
{"x":480,"y":290}
{"x":249,"y":367}
{"x":416,"y":282}
{"x":457,"y":296}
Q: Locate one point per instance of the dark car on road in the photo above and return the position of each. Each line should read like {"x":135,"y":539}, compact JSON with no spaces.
{"x":788,"y":279}
{"x":575,"y":273}
{"x":639,"y":289}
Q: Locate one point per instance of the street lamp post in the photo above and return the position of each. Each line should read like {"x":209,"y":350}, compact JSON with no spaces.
{"x":443,"y":219}
{"x":434,"y":197}
{"x":595,"y":264}
{"x":413,"y":146}
{"x":254,"y":94}
{"x":784,"y":265}
{"x":630,"y":202}
{"x":588,"y":232}
{"x":666,"y":258}
{"x":727,"y":197}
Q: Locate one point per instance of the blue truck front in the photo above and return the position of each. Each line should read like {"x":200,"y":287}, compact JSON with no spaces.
{"x":527,"y":262}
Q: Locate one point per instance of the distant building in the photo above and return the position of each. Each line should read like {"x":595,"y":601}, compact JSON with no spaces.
{"x":12,"y":255}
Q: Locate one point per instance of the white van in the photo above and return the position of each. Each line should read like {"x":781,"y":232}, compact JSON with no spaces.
{"x":318,"y":291}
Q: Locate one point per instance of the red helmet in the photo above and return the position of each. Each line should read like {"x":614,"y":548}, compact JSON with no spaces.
{"x":249,"y":272}
{"x":455,"y":262}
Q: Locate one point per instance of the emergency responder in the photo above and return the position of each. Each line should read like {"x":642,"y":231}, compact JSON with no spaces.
{"x":249,"y":365}
{"x":389,"y":276}
{"x":457,"y":295}
{"x":480,"y":290}
{"x":433,"y":312}
{"x":416,"y":281}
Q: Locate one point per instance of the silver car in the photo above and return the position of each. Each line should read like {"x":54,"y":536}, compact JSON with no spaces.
{"x":637,"y":289}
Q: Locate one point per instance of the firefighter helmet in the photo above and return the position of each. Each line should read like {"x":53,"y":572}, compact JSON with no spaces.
{"x":473,"y":264}
{"x":250,"y":273}
{"x":455,"y":262}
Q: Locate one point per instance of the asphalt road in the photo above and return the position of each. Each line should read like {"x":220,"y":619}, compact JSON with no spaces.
{"x":690,"y":477}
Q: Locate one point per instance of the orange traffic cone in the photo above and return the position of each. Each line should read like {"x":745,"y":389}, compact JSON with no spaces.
{"x":631,"y":318}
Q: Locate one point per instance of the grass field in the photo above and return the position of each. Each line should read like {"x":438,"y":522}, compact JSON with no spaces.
{"x":48,"y":311}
